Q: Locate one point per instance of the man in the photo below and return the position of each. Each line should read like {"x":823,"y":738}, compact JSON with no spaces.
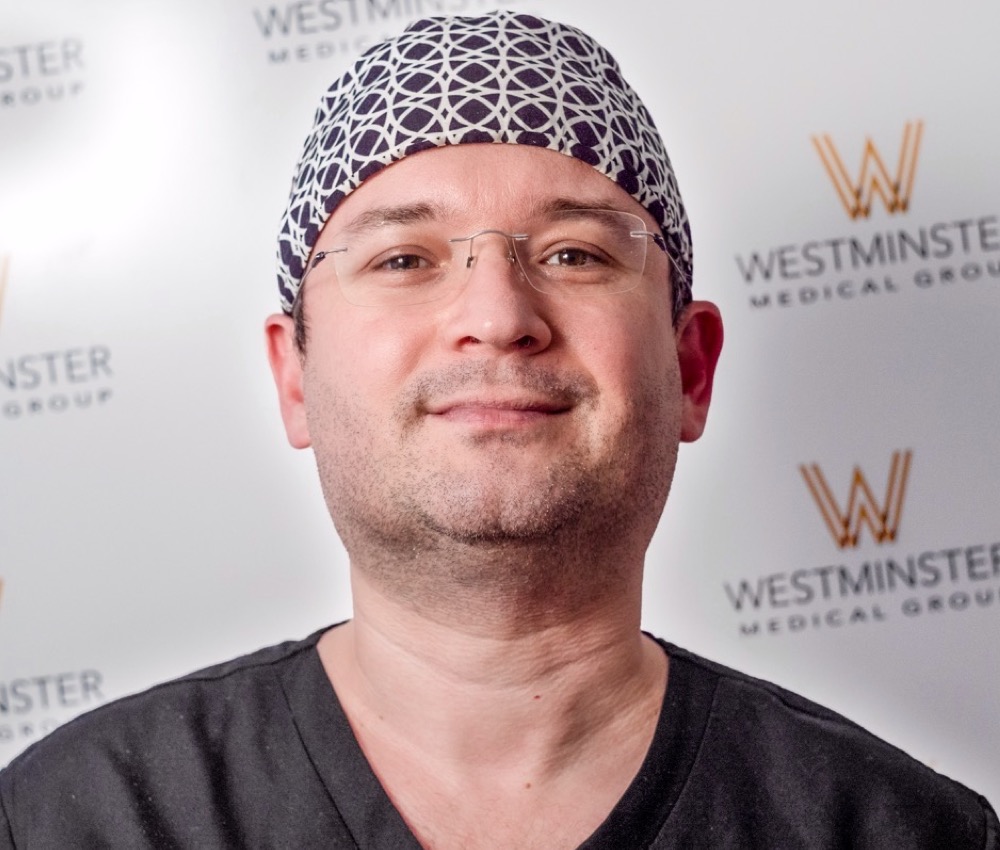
{"x":489,"y":342}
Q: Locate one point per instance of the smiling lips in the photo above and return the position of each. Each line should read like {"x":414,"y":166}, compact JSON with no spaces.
{"x":493,"y":412}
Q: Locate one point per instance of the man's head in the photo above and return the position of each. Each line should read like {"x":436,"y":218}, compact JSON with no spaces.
{"x":525,"y":389}
{"x":499,"y":78}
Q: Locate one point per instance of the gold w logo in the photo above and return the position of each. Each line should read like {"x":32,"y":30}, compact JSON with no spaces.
{"x":874,"y":178}
{"x":4,"y":267}
{"x":863,"y":509}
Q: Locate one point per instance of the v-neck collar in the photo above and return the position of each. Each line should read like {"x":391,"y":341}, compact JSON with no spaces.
{"x":375,"y":823}
{"x":640,"y":814}
{"x":367,"y":811}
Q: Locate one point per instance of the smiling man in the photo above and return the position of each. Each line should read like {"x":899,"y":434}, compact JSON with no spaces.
{"x":488,"y":341}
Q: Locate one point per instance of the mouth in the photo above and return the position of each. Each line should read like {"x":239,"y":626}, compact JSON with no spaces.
{"x":491,"y":412}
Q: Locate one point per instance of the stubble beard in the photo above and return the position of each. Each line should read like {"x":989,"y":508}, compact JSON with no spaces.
{"x":418,"y":525}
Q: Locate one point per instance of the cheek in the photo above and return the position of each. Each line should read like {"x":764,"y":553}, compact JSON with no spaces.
{"x":365,"y":358}
{"x":629,"y":348}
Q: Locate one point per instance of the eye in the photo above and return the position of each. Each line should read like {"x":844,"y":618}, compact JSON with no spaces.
{"x":573,"y":257}
{"x":400,"y":258}
{"x":403,"y":263}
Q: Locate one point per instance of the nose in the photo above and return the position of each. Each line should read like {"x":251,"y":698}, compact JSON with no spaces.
{"x":497,"y":307}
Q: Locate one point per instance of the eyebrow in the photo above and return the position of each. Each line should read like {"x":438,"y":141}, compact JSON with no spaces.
{"x":405,"y":214}
{"x":565,"y":205}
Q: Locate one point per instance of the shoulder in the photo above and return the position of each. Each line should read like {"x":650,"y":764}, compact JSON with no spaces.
{"x":772,"y":754}
{"x":170,"y":738}
{"x":179,"y":702}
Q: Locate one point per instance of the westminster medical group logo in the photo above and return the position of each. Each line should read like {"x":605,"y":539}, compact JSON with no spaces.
{"x":32,"y":705}
{"x":34,"y":73}
{"x":872,"y":577}
{"x":874,"y":179}
{"x":298,"y":31}
{"x":886,"y":249}
{"x":862,"y":510}
{"x":56,"y":381}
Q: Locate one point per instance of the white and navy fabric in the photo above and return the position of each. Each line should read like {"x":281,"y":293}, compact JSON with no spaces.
{"x":501,"y":78}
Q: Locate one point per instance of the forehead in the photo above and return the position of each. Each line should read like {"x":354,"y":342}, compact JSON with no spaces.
{"x":495,"y":185}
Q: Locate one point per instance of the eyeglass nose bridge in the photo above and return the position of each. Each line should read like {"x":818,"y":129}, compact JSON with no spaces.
{"x":509,"y":238}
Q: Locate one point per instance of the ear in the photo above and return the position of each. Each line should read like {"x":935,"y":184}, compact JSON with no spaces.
{"x":699,"y":341}
{"x":286,"y":367}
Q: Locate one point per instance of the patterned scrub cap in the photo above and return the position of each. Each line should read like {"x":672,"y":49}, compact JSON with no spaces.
{"x":501,"y":77}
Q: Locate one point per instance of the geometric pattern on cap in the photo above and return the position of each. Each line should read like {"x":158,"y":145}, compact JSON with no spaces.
{"x":502,"y":77}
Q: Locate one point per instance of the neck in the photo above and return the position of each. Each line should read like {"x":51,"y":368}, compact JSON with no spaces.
{"x":482,"y":714}
{"x":495,"y":686}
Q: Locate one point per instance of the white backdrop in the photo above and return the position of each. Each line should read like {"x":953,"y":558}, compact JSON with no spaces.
{"x":153,"y":520}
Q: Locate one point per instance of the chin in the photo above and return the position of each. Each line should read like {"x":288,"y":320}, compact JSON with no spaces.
{"x":528,"y":512}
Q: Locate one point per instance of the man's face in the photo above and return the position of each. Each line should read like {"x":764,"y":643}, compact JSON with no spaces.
{"x":497,"y":413}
